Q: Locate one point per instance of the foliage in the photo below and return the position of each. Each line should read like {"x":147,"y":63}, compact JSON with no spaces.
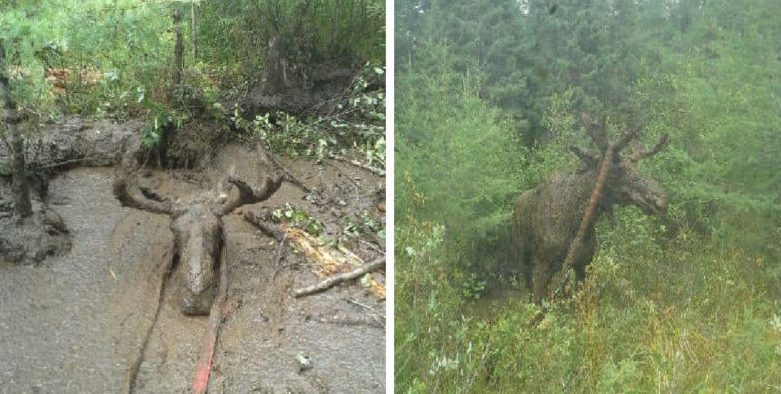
{"x":322,"y":31}
{"x":684,"y":302}
{"x":114,"y":58}
{"x":364,"y":223}
{"x":358,"y":122}
{"x":298,"y":218}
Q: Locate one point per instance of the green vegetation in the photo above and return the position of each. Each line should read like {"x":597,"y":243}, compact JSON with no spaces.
{"x":487,"y":97}
{"x":115,"y":58}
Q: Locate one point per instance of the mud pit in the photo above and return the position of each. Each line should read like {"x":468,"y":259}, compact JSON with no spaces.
{"x":75,"y":323}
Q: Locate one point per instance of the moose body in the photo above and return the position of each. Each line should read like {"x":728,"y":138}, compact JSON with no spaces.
{"x":546,"y":219}
{"x":197,"y":227}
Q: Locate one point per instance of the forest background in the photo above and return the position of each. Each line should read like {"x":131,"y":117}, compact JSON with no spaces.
{"x":487,"y":97}
{"x":119,"y":59}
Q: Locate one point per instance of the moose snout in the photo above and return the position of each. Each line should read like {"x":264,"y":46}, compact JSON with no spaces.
{"x":660,"y":205}
{"x":655,"y":204}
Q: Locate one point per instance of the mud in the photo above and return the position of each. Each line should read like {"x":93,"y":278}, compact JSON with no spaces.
{"x":75,"y":323}
{"x":32,"y":239}
{"x":75,"y":142}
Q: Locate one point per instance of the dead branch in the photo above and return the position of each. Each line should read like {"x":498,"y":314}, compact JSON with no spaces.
{"x":263,"y":223}
{"x":370,"y":320}
{"x":357,"y":163}
{"x":576,"y":244}
{"x":339,"y":278}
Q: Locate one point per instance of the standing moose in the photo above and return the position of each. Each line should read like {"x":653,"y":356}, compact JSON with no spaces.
{"x":196,"y":224}
{"x":547,"y":218}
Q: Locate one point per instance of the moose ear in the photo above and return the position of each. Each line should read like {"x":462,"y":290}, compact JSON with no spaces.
{"x":586,"y":157}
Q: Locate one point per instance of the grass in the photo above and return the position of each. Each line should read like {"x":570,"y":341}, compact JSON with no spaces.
{"x":657,"y":313}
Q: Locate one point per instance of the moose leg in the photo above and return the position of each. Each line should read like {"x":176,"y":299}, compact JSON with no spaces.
{"x":580,"y":272}
{"x":541,"y":278}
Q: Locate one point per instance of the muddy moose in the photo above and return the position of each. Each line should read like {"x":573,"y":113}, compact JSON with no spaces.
{"x":196,"y":225}
{"x":547,"y":218}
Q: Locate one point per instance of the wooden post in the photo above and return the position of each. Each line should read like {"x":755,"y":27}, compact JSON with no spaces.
{"x":21,"y":190}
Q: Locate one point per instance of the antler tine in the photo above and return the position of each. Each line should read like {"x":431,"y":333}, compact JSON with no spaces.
{"x":595,"y":130}
{"x":127,"y":190}
{"x":587,"y":157}
{"x":129,"y":193}
{"x":643,"y":153}
{"x":249,"y":194}
{"x":627,"y":138}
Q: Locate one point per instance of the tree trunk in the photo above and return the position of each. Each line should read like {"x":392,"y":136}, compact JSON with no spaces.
{"x":21,"y":190}
{"x":178,"y":55}
{"x":194,"y":31}
{"x":276,"y":65}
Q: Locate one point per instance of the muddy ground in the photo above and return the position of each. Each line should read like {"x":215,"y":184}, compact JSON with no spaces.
{"x":74,"y":323}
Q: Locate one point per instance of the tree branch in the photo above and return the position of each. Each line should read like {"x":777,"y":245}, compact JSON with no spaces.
{"x":339,"y":278}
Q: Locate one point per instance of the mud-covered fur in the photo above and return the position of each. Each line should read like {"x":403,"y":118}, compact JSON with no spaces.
{"x":198,"y":234}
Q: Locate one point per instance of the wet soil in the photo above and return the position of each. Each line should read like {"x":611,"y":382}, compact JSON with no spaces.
{"x":75,"y":322}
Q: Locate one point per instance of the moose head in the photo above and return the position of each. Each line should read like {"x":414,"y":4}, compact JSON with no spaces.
{"x":546,"y":219}
{"x":625,"y":184}
{"x":196,"y":224}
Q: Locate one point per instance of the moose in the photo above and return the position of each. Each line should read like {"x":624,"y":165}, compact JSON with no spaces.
{"x":196,"y":225}
{"x":547,"y":219}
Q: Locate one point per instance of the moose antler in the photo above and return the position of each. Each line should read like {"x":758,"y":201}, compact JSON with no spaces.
{"x":589,"y":158}
{"x":595,"y":130}
{"x":628,"y":136}
{"x":638,"y":154}
{"x":249,"y":194}
{"x":130,"y":194}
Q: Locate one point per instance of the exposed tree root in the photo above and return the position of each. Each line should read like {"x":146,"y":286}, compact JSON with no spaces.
{"x":339,"y":278}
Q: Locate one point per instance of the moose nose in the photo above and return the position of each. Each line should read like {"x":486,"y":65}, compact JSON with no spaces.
{"x":661,"y":204}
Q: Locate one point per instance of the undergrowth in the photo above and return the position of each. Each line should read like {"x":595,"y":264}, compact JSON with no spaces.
{"x":677,"y":315}
{"x":356,"y":124}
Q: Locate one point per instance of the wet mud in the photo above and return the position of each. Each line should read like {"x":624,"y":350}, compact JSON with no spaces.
{"x":75,"y":322}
